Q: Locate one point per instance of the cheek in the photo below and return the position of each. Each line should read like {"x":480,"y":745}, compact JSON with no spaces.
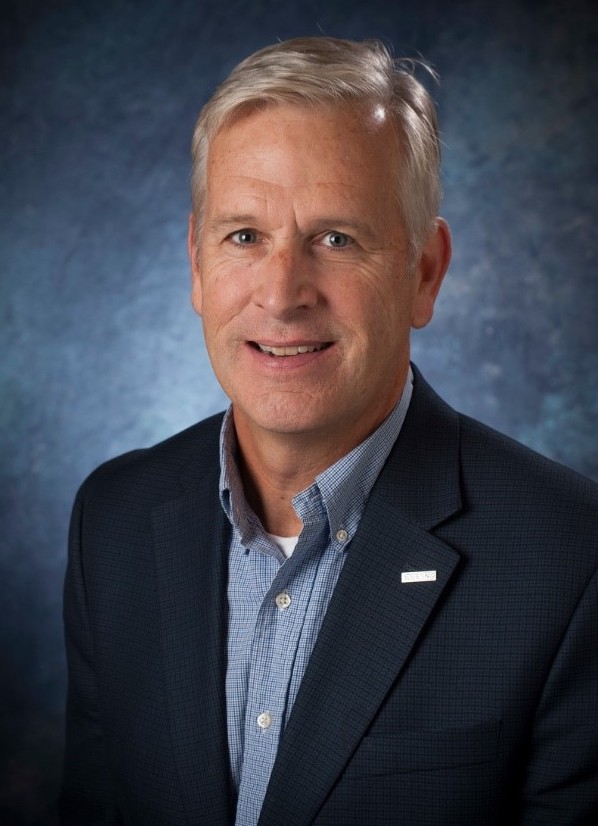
{"x":224,"y":295}
{"x":373,"y":308}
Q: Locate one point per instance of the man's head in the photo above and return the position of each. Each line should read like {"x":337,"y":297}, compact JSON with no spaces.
{"x":328,"y":72}
{"x":306,"y":273}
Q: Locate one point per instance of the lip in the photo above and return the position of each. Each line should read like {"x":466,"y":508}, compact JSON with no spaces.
{"x":290,"y":348}
{"x":289,"y":362}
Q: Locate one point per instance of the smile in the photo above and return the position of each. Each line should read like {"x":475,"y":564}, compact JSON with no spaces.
{"x":300,"y":349}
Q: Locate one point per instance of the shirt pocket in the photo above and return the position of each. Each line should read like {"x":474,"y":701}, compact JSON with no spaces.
{"x":413,"y":751}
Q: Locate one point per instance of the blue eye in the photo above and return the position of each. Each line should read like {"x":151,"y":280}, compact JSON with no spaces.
{"x":244,"y":237}
{"x":337,"y":240}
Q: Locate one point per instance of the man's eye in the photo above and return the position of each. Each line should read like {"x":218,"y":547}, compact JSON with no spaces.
{"x":336,"y":240}
{"x":244,"y":237}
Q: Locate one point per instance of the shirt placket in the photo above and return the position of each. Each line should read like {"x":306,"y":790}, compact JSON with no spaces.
{"x":273,"y":651}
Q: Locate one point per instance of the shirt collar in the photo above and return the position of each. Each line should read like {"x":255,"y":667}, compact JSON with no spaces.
{"x":341,"y":491}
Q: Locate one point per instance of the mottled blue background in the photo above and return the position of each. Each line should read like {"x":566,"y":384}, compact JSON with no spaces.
{"x":100,"y":349}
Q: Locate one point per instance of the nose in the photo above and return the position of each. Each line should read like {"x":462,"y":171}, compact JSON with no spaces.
{"x":286,"y":285}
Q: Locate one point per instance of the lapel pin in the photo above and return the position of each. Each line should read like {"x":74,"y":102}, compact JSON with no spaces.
{"x":418,"y":576}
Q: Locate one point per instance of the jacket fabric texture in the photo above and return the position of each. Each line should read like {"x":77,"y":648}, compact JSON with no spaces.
{"x":471,"y":698}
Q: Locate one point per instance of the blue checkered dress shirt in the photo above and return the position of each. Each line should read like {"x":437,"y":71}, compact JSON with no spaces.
{"x":276,"y":605}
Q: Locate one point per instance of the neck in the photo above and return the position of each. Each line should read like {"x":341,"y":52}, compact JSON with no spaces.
{"x":272,"y":476}
{"x":275,"y":467}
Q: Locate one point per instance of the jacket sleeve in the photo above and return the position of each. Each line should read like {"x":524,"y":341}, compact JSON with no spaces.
{"x":562,"y":777}
{"x":87,"y":789}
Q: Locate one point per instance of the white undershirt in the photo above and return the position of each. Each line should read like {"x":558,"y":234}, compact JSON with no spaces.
{"x":285,"y":543}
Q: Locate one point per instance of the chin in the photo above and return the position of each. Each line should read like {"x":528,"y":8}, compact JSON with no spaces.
{"x":284,"y":416}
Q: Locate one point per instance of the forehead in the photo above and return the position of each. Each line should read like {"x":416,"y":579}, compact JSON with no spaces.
{"x":294,"y":144}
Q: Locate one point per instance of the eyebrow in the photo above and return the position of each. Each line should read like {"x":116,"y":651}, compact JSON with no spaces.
{"x":349,"y":223}
{"x":229,"y":221}
{"x":322,"y":223}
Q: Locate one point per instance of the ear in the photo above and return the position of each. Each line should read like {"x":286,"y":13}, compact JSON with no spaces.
{"x":429,"y":272}
{"x":193,"y":260}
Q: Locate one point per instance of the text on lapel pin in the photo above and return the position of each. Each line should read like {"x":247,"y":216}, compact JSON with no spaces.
{"x":418,"y":576}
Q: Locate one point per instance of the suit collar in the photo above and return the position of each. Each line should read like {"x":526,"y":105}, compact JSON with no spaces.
{"x":422,"y":477}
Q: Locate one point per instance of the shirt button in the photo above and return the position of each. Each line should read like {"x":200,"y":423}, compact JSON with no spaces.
{"x":283,"y":601}
{"x":341,"y":535}
{"x":264,"y":720}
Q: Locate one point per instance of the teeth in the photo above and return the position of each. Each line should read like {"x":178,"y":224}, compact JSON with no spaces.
{"x":290,"y":351}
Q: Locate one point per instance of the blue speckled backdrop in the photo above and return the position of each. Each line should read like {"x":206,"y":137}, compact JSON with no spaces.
{"x":100,"y":349}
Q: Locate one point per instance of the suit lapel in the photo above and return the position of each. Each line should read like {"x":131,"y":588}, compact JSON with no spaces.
{"x":191,"y":543}
{"x":374,"y":619}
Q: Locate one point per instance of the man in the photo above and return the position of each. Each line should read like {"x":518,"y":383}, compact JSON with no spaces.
{"x":343,"y":602}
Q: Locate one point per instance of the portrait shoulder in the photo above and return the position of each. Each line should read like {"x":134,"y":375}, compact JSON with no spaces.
{"x":545,"y":500}
{"x":157,"y":472}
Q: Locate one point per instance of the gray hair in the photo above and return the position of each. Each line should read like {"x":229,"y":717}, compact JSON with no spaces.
{"x":326,"y":70}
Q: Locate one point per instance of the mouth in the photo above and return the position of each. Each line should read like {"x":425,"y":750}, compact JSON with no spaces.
{"x":290,"y":350}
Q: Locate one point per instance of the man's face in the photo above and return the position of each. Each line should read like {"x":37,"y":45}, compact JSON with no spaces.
{"x":302,"y":274}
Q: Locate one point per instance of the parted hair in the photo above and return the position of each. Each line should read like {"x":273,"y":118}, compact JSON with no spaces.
{"x":320,"y":71}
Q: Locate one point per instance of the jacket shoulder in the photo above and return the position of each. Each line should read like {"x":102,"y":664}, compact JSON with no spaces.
{"x":487,"y":456}
{"x":506,"y":463}
{"x":503,"y":486}
{"x":159,"y":470}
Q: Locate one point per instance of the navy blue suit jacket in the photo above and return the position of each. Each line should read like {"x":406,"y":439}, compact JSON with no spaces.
{"x":471,"y":699}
